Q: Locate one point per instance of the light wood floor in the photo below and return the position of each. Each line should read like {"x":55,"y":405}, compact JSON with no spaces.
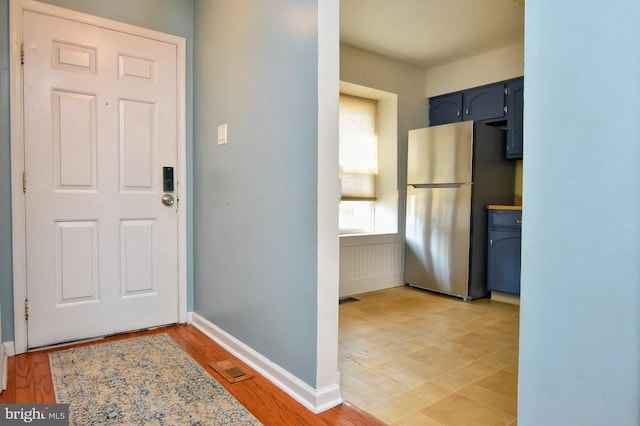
{"x":29,"y":381}
{"x":411,"y":357}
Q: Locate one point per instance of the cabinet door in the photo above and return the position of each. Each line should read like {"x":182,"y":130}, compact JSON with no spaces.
{"x":503,"y":267}
{"x":484,"y":103}
{"x":515,"y":105}
{"x":445,"y":109}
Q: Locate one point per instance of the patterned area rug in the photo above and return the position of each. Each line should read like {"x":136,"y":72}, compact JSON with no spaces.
{"x":141,"y":381}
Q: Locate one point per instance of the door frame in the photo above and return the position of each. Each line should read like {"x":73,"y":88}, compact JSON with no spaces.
{"x":18,"y":207}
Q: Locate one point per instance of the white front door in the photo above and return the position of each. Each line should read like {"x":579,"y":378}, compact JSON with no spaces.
{"x":100,"y":124}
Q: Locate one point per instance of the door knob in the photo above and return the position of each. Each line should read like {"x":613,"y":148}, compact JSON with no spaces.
{"x":167,"y":200}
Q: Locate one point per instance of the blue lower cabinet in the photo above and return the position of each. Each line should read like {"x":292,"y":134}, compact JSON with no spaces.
{"x":503,"y":253}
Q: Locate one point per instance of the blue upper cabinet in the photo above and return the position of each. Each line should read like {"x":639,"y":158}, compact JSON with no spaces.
{"x":484,"y":103}
{"x":445,"y":109}
{"x":481,"y":103}
{"x":499,"y":104}
{"x":515,"y":110}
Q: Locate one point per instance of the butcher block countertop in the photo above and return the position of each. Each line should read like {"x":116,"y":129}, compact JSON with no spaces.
{"x":502,"y":207}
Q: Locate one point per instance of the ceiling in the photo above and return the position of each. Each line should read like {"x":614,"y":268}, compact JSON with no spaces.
{"x":429,"y":33}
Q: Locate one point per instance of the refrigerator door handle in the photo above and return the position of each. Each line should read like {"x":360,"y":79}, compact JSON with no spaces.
{"x":439,"y":185}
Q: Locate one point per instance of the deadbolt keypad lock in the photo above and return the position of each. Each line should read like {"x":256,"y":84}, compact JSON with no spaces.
{"x":167,"y":179}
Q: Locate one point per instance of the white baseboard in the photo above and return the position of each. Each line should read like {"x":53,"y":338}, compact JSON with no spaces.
{"x":365,"y":285}
{"x":5,"y":374}
{"x":9,"y":348}
{"x":315,"y":400}
{"x":3,"y":368}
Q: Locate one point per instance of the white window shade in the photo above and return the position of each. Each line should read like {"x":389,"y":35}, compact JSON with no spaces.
{"x":358,"y":152}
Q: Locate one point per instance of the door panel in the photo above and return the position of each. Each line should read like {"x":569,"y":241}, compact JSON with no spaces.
{"x":440,"y":154}
{"x":484,"y":103}
{"x":516,"y":119}
{"x":76,"y":261}
{"x":445,"y":109}
{"x":74,"y":130}
{"x":137,"y":144}
{"x":138,"y":259}
{"x":100,"y":112}
{"x":437,"y":238}
{"x":503,"y":267}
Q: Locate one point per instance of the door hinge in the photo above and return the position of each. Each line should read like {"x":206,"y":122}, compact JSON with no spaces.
{"x":24,"y":182}
{"x":22,"y":54}
{"x":26,"y":309}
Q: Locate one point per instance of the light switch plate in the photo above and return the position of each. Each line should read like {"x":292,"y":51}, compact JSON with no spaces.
{"x":222,"y":134}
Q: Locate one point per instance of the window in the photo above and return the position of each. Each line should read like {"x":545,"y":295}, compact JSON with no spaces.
{"x":356,"y":217}
{"x":358,"y":164}
{"x":368,"y":166}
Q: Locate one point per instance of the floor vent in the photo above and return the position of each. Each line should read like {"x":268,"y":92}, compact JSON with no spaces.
{"x":230,"y":371}
{"x":347,"y":300}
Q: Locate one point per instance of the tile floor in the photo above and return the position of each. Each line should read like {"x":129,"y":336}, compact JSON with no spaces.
{"x":411,"y":357}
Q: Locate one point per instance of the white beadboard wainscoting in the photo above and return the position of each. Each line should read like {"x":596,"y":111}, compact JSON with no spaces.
{"x":370,"y":262}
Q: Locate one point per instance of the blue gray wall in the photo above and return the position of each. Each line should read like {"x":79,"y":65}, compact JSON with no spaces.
{"x":580,"y":312}
{"x":168,"y":16}
{"x":255,"y":199}
{"x":253,"y":203}
{"x":6,"y":277}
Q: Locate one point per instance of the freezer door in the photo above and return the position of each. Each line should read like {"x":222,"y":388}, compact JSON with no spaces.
{"x":437,"y":239}
{"x":440,"y":154}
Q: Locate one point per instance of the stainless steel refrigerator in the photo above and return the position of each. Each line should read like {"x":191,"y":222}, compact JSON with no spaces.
{"x":453,"y":172}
